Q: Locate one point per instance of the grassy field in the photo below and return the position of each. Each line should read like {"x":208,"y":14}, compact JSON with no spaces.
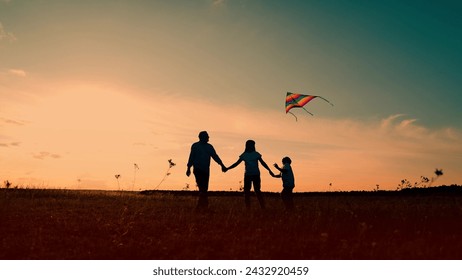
{"x":64,"y":224}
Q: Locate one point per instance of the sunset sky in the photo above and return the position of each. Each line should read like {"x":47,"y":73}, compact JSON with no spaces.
{"x":90,"y":88}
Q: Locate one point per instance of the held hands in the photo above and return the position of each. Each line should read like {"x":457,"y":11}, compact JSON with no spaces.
{"x":278,"y":168}
{"x":274,"y":175}
{"x":223,"y":168}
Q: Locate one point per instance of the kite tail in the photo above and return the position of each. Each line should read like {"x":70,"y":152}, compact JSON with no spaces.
{"x":307,"y":111}
{"x":294,"y":116}
{"x":326,"y":100}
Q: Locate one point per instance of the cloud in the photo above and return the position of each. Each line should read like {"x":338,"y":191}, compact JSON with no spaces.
{"x":5,"y":35}
{"x":388,"y":122}
{"x":12,"y":122}
{"x":11,"y":144}
{"x":143,"y":144}
{"x":218,"y":3}
{"x":44,"y":155}
{"x":17,"y":72}
{"x":9,"y":75}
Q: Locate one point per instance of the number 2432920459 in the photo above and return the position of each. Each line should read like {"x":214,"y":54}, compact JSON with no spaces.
{"x":300,"y":270}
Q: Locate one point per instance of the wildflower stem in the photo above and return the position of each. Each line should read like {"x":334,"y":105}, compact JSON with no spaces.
{"x":167,"y":173}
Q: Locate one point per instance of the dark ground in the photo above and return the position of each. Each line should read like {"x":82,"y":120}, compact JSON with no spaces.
{"x":89,"y":225}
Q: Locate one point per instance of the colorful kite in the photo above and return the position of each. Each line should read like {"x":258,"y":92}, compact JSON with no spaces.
{"x":300,"y":100}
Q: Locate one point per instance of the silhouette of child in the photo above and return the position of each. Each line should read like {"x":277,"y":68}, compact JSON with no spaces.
{"x":252,"y":173}
{"x":288,"y":182}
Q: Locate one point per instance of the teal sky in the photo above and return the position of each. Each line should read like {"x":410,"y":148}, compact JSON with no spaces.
{"x":376,"y":61}
{"x":368,"y":57}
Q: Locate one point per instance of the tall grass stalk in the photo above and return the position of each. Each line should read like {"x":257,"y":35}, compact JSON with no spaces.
{"x":136,"y":168}
{"x":167,"y":173}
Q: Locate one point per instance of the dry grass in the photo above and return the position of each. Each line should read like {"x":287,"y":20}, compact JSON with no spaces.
{"x":60,"y":224}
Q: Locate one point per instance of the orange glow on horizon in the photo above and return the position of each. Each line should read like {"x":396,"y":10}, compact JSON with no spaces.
{"x":81,"y":135}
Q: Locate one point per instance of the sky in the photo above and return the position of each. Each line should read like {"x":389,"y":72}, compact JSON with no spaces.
{"x":88,"y":89}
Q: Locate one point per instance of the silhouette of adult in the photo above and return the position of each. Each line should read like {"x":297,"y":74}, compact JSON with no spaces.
{"x":199,"y":159}
{"x":252,"y":173}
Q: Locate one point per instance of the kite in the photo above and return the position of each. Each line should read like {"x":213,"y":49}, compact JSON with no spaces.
{"x":299,"y":100}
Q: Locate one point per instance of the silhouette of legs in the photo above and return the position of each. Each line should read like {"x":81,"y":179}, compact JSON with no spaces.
{"x":202,"y":181}
{"x":257,"y":189}
{"x":247,"y":194}
{"x":248,"y":180}
{"x":287,"y":198}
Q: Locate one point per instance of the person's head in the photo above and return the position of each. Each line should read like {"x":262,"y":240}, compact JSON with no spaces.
{"x":249,"y":146}
{"x":286,"y":160}
{"x":204,"y":136}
